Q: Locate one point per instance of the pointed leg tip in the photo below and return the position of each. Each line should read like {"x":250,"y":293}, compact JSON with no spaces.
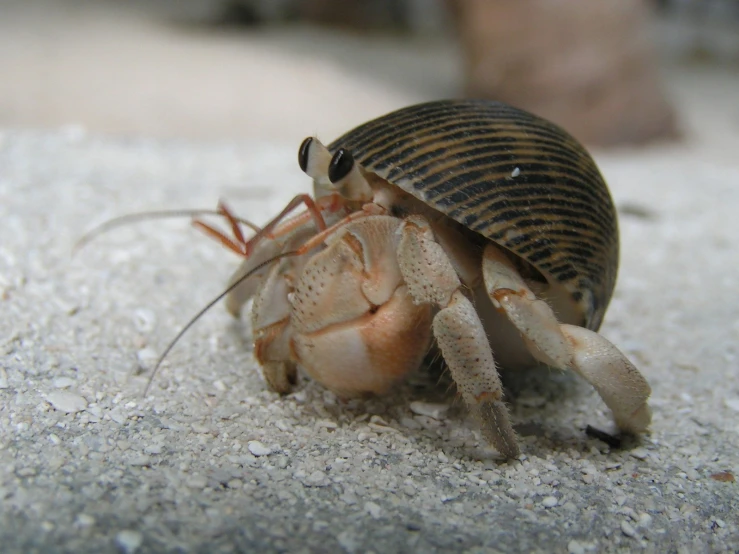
{"x":637,"y":422}
{"x":497,"y":429}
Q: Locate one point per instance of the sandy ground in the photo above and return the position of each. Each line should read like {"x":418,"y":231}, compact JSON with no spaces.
{"x":89,"y":465}
{"x":119,"y":68}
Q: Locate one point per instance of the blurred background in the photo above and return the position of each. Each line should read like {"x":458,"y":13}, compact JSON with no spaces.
{"x":614,"y":73}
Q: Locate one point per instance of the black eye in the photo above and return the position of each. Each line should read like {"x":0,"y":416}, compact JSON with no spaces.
{"x":303,"y":153}
{"x":340,"y":166}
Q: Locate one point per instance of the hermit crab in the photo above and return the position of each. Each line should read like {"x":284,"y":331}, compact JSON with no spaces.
{"x":471,"y":224}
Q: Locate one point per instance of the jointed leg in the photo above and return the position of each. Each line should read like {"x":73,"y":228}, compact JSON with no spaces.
{"x":236,"y":244}
{"x":277,"y":227}
{"x":623,"y":389}
{"x":331,"y":203}
{"x":431,"y":278}
{"x":226,"y":212}
{"x":619,"y":383}
{"x":248,"y":287}
{"x":272,"y":330}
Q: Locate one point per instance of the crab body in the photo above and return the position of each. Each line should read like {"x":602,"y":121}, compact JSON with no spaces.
{"x":467,"y":223}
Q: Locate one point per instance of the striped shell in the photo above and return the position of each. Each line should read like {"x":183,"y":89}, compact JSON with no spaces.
{"x":513,"y":177}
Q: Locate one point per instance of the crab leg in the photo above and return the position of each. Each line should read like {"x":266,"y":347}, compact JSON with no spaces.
{"x":618,"y":382}
{"x":244,"y":248}
{"x":235,"y":246}
{"x":239,"y":242}
{"x":226,"y":212}
{"x":272,"y":330}
{"x":431,"y":278}
{"x":331,"y":203}
{"x":324,"y":236}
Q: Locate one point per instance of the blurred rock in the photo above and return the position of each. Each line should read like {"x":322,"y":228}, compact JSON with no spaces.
{"x":416,"y":16}
{"x":356,"y":14}
{"x":588,"y":66}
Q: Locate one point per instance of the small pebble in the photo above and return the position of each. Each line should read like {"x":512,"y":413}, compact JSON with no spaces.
{"x":196,"y":482}
{"x":732,"y":403}
{"x":516,"y":172}
{"x":66,"y":401}
{"x":146,"y":356}
{"x":373,"y":510}
{"x":410,"y":423}
{"x":140,"y":460}
{"x":574,"y":547}
{"x":235,"y":484}
{"x":379,"y":449}
{"x":348,"y":541}
{"x":154,"y":449}
{"x":118,"y":416}
{"x":200,"y":428}
{"x":63,"y":382}
{"x":129,"y":541}
{"x":645,"y":520}
{"x":349,"y":498}
{"x":549,"y":501}
{"x":3,"y":379}
{"x":259,"y":449}
{"x":326,"y":424}
{"x":435,"y":411}
{"x":640,"y":453}
{"x":628,"y":530}
{"x":84,"y":520}
{"x":144,"y":320}
{"x":316,"y":479}
{"x":320,"y":525}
